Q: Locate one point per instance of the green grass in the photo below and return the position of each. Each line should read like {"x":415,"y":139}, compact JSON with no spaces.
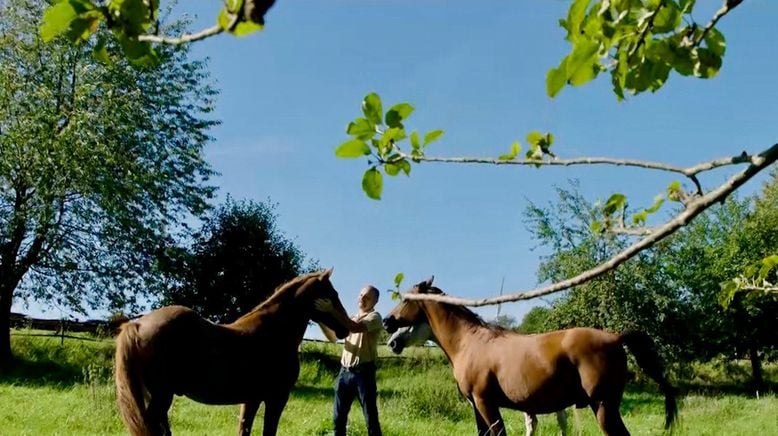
{"x":67,"y":390}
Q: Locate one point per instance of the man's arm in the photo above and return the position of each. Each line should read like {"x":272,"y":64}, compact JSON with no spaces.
{"x":328,"y":333}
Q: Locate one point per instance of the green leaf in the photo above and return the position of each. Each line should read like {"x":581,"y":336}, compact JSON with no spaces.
{"x":415,"y":140}
{"x":392,"y":134}
{"x":640,"y":218}
{"x":371,"y":107}
{"x":432,"y":136}
{"x":556,"y":79}
{"x":575,"y":17}
{"x":362,"y":128}
{"x":352,"y":149}
{"x":100,"y":52}
{"x":391,"y":169}
{"x":596,"y":226}
{"x":616,"y":202}
{"x":534,"y":137}
{"x":397,"y":113}
{"x":373,"y":183}
{"x":708,"y":63}
{"x":582,"y":64}
{"x":405,"y":166}
{"x":674,"y":191}
{"x":658,"y":201}
{"x":398,"y":279}
{"x":138,"y":52}
{"x":57,"y":19}
{"x":395,"y":296}
{"x":667,"y":19}
{"x":515,"y":150}
{"x":244,"y":28}
{"x":715,"y":42}
{"x":728,"y":291}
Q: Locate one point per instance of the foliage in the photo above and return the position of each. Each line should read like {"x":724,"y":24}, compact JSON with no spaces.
{"x":535,"y":321}
{"x":639,"y":42}
{"x":672,"y":292}
{"x":635,"y":296}
{"x":238,"y":258}
{"x":377,"y":136}
{"x":130,"y":21}
{"x":99,"y":163}
{"x":504,"y":321}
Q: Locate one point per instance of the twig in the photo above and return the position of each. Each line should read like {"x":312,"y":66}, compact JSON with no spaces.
{"x":646,"y":28}
{"x":693,"y":208}
{"x":191,"y":37}
{"x":723,"y":10}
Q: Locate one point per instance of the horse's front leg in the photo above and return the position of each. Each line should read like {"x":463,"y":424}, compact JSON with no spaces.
{"x":530,"y":423}
{"x":247,"y":413}
{"x":491,"y":415}
{"x":273,"y":409}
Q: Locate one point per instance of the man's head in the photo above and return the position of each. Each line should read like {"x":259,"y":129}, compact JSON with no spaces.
{"x":368,"y":297}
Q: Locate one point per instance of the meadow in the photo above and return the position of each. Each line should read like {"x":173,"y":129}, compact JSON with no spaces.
{"x":65,"y":388}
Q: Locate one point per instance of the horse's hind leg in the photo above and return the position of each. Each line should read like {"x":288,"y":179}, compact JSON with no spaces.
{"x":609,"y":418}
{"x":156,"y":413}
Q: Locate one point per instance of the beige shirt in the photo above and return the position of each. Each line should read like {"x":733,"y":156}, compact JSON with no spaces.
{"x":362,"y":347}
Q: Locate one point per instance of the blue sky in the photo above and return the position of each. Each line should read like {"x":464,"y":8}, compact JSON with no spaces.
{"x":476,"y":70}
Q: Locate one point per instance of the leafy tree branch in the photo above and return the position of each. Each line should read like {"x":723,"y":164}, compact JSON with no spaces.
{"x":693,"y":208}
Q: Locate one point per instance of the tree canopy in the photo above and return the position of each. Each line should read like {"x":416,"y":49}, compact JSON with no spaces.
{"x":236,"y":261}
{"x":99,"y":163}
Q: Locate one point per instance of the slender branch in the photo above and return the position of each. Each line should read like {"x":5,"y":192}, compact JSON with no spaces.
{"x":723,"y":10}
{"x":646,"y":28}
{"x":693,"y":208}
{"x":760,"y":288}
{"x":689,"y":172}
{"x":633,"y":231}
{"x":185,"y":38}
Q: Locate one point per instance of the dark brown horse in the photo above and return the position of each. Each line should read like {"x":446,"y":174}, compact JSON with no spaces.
{"x":536,"y":374}
{"x":173,"y":351}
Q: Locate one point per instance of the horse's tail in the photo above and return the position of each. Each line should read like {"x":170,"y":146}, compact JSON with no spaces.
{"x":129,"y":386}
{"x":644,"y":350}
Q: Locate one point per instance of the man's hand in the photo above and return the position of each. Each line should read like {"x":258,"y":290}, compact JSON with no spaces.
{"x":323,"y":305}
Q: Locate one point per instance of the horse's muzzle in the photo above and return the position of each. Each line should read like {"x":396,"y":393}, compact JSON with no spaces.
{"x":396,"y":345}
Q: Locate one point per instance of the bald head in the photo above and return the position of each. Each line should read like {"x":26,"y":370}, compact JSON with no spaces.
{"x":368,"y":297}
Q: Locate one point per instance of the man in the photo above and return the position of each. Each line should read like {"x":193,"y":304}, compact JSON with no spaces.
{"x":357,"y":372}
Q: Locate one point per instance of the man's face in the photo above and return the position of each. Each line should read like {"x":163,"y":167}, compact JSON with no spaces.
{"x":366,"y":299}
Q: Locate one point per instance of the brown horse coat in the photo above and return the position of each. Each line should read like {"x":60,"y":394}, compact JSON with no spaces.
{"x":536,"y":374}
{"x":173,"y":351}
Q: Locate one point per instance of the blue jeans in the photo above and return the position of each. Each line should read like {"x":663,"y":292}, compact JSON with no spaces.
{"x":358,"y":381}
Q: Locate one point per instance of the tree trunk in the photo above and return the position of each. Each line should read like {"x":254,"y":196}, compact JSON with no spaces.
{"x":756,"y":368}
{"x":6,"y":297}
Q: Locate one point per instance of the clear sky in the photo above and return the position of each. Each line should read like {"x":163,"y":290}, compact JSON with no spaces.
{"x":476,"y":70}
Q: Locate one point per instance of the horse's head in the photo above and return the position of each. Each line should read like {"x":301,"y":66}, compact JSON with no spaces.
{"x":319,"y":287}
{"x":409,"y":312}
{"x":409,"y":336}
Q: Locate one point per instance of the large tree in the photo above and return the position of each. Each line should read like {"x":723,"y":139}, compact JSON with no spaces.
{"x":99,"y":163}
{"x":236,"y":261}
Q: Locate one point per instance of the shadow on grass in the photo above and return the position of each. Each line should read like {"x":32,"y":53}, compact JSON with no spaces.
{"x":40,"y":373}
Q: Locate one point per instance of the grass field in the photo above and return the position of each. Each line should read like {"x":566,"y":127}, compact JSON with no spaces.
{"x":67,"y":390}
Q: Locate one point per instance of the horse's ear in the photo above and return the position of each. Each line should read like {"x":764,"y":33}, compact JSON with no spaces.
{"x":425,"y":285}
{"x":326,"y":274}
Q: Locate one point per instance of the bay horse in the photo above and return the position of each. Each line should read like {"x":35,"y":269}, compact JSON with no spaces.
{"x":536,"y":374}
{"x":173,"y":351}
{"x":420,"y":333}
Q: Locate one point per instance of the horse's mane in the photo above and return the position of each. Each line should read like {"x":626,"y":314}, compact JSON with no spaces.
{"x":469,"y":315}
{"x":280,"y":292}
